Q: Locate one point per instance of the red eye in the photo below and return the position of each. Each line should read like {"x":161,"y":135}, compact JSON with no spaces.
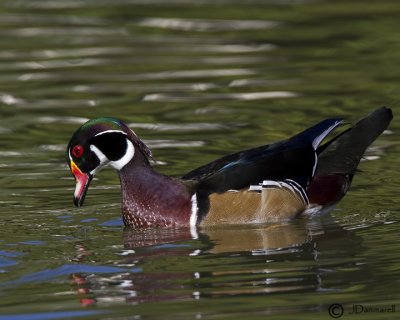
{"x":77,"y":151}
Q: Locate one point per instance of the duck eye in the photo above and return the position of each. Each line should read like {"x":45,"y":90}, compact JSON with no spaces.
{"x":77,"y":151}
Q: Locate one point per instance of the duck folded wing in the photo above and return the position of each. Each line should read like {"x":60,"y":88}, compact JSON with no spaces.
{"x":293,"y":159}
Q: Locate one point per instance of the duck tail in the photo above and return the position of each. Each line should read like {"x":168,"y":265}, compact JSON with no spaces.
{"x":338,"y":159}
{"x":343,"y":153}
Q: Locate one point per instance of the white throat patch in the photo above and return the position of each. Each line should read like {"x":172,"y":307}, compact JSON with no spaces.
{"x":117,"y":164}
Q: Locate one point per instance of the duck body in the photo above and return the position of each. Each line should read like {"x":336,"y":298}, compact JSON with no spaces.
{"x":150,"y":199}
{"x":275,"y":182}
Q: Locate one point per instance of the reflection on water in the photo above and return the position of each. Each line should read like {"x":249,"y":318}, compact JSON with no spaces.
{"x":259,"y":240}
{"x":196,"y":80}
{"x":235,"y":261}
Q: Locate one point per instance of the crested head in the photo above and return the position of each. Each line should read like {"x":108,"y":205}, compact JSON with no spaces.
{"x":97,"y":143}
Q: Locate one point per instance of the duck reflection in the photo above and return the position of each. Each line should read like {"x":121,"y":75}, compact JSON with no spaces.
{"x":257,"y":238}
{"x":177,"y":264}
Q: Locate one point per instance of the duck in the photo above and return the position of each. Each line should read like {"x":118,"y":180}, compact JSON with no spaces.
{"x":271,"y":183}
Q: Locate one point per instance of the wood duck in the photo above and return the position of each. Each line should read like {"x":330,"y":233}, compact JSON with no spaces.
{"x":270,"y":183}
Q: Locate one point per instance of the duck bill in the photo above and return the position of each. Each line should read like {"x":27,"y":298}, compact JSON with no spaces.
{"x":82,"y":184}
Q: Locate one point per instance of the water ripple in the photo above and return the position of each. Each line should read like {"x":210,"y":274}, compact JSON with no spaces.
{"x":9,"y":99}
{"x":194,"y":73}
{"x":158,"y":144}
{"x":56,"y":103}
{"x":58,"y":31}
{"x":28,"y":18}
{"x":64,"y":53}
{"x":182,"y":127}
{"x":52,"y":64}
{"x":67,"y":269}
{"x":220,"y":96}
{"x":258,"y":82}
{"x":61,"y":119}
{"x":53,"y":147}
{"x":163,"y":75}
{"x":206,"y":24}
{"x":53,"y":315}
{"x":100,"y":88}
{"x":233,"y":48}
{"x":73,"y":4}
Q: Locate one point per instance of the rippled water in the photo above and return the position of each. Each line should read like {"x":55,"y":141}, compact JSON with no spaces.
{"x":196,"y":80}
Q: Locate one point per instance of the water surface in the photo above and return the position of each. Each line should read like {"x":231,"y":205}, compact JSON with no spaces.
{"x":196,"y":80}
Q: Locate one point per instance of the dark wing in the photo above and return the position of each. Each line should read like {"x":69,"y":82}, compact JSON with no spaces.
{"x":294,"y":159}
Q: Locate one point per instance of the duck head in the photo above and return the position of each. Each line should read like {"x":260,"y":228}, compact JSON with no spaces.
{"x":100,"y":142}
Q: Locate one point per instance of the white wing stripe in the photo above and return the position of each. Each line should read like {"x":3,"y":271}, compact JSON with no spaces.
{"x":289,"y":184}
{"x":322,"y":136}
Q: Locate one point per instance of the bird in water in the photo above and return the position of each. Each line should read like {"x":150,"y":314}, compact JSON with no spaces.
{"x":270,"y":183}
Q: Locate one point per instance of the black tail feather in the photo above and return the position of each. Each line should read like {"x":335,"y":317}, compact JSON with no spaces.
{"x":343,"y":153}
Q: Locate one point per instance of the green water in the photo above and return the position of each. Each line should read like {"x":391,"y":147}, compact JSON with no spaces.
{"x":196,"y":80}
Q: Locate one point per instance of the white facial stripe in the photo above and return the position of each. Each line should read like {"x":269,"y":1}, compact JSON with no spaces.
{"x":110,"y":131}
{"x":100,"y":155}
{"x":130,"y":152}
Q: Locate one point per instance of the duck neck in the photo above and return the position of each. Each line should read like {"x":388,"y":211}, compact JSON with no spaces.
{"x":150,"y":199}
